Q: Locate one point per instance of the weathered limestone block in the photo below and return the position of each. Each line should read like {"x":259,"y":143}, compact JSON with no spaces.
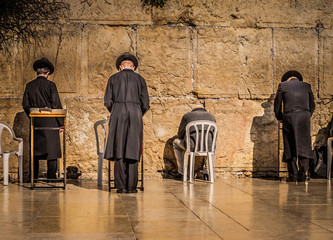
{"x":115,"y":12}
{"x":219,"y":13}
{"x":286,"y":13}
{"x":296,"y":49}
{"x":165,"y":58}
{"x":247,"y":136}
{"x":64,"y":51}
{"x":325,"y":18}
{"x":10,"y":79}
{"x":103,"y":45}
{"x":160,"y":128}
{"x":233,"y":63}
{"x":326,"y":64}
{"x":82,"y":113}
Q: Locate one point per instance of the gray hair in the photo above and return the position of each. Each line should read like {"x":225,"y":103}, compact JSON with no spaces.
{"x":42,"y":70}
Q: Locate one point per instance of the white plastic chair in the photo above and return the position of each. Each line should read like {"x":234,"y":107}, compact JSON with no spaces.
{"x":100,"y":153}
{"x":5,"y":155}
{"x":201,"y":149}
{"x":329,"y":156}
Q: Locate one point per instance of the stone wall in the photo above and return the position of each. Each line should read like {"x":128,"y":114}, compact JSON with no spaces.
{"x":226,"y":55}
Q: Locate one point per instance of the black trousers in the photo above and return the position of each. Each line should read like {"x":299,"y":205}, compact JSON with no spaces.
{"x":298,"y":173}
{"x":126,"y":174}
{"x":51,"y":167}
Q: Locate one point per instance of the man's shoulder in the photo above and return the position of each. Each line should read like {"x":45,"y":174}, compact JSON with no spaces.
{"x":32,"y":83}
{"x":125,"y":73}
{"x":199,"y":115}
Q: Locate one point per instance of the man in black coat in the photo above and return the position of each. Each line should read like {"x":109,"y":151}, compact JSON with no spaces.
{"x":42,"y":93}
{"x":294,"y":105}
{"x":179,"y":144}
{"x":126,"y":98}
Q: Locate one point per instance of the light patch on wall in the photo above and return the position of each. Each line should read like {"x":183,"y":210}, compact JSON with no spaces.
{"x":160,"y":132}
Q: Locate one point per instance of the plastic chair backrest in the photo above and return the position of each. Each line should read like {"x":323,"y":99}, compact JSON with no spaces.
{"x":11,"y":131}
{"x":196,"y":127}
{"x":101,"y":122}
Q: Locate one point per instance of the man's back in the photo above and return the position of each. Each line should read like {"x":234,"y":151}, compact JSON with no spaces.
{"x":296,"y":95}
{"x":127,"y":87}
{"x":40,"y":93}
{"x":126,"y":97}
{"x":194,"y":115}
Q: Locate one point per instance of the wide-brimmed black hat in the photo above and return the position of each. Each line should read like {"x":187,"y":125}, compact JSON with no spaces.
{"x":43,"y":63}
{"x":290,"y":74}
{"x":127,"y":56}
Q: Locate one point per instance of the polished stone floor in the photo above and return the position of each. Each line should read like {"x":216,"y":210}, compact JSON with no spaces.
{"x":170,"y":209}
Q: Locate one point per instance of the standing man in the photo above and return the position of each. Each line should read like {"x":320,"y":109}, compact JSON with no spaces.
{"x":179,"y":144}
{"x":42,"y":93}
{"x":293,"y":106}
{"x":126,"y":98}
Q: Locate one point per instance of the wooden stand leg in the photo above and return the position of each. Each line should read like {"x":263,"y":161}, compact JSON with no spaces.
{"x":32,"y":153}
{"x":64,"y":154}
{"x":142,"y":177}
{"x":109,"y":176}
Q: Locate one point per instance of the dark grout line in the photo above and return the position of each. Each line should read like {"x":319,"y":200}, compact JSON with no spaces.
{"x":194,"y":214}
{"x":294,"y":214}
{"x":228,"y":216}
{"x":128,"y":217}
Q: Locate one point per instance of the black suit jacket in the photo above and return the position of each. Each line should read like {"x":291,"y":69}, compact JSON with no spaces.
{"x":194,"y":115}
{"x":295,"y":96}
{"x":294,"y":104}
{"x":41,"y":93}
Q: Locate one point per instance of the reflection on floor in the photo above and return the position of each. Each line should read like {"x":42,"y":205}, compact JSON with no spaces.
{"x":169,"y":209}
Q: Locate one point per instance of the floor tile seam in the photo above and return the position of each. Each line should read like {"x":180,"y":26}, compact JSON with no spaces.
{"x":183,"y":203}
{"x":39,"y":211}
{"x":128,"y":216}
{"x":277,"y":206}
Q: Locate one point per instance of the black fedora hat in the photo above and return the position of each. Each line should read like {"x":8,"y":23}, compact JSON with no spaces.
{"x":290,"y":74}
{"x":127,"y":56}
{"x":43,"y":63}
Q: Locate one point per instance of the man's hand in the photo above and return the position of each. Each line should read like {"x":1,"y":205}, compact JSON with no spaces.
{"x":61,"y":129}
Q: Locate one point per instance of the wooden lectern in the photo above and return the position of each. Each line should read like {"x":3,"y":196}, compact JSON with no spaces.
{"x":56,"y":113}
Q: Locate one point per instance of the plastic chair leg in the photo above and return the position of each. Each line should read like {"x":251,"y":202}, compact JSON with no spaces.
{"x":329,"y":157}
{"x":100,"y":169}
{"x":186,"y":155}
{"x":192,"y":161}
{"x":20,"y":165}
{"x":211,"y":167}
{"x":5,"y":157}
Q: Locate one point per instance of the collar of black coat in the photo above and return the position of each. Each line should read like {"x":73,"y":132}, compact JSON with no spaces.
{"x":127,"y":69}
{"x":41,"y":76}
{"x":199,"y":109}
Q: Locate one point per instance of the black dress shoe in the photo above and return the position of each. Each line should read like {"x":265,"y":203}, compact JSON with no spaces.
{"x":301,"y":177}
{"x":121,"y":190}
{"x":179,"y":176}
{"x":132,"y":191}
{"x":291,"y":179}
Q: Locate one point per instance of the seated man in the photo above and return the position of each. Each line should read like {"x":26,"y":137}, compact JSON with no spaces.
{"x":179,"y":144}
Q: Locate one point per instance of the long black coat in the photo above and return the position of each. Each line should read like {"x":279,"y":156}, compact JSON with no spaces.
{"x":294,"y":104}
{"x":126,"y":98}
{"x":41,"y":93}
{"x":195,"y":115}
